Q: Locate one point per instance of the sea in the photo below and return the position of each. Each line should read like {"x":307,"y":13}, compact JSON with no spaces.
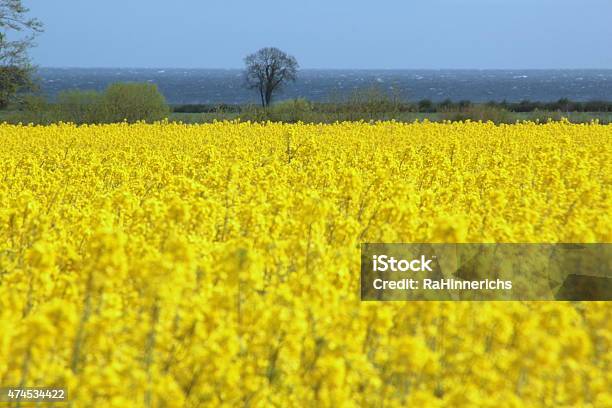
{"x":215,"y":86}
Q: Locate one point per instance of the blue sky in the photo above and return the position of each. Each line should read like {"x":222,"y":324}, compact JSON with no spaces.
{"x":388,"y":34}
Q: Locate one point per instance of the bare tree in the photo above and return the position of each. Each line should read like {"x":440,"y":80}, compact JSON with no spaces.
{"x":267,"y":70}
{"x":17,"y":33}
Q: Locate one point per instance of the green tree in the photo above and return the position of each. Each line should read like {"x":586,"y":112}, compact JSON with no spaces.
{"x":133,"y":102}
{"x":17,"y":33}
{"x":14,"y":79}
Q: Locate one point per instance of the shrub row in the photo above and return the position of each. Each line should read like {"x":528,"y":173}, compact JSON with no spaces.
{"x":120,"y":102}
{"x":133,"y":102}
{"x":373,"y":102}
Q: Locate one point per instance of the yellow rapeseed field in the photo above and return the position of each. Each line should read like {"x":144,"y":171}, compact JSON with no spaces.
{"x":172,"y":265}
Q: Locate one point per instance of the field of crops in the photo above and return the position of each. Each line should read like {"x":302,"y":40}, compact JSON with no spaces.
{"x":171,"y":265}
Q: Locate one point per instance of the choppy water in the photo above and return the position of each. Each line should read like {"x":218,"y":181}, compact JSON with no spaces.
{"x":226,"y":86}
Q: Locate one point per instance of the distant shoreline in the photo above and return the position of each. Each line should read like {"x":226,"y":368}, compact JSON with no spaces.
{"x":329,"y":69}
{"x":216,"y":86}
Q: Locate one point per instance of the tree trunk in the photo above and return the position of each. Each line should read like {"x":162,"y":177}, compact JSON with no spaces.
{"x":268,"y":96}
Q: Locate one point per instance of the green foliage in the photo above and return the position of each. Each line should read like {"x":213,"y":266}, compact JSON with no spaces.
{"x":373,"y":100}
{"x":13,"y":80}
{"x":32,"y":109}
{"x":546,"y":116}
{"x":288,"y":111}
{"x":33,"y":103}
{"x":81,"y":107}
{"x":129,"y":102}
{"x":143,"y":102}
{"x":562,"y":105}
{"x":207,"y":108}
{"x":133,"y":102}
{"x":292,"y":110}
{"x":426,"y":106}
{"x":17,"y":36}
{"x":292,"y":105}
{"x":482,"y":113}
{"x":254,"y":113}
{"x":372,"y":103}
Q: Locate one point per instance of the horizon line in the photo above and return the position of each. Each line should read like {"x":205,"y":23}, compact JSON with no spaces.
{"x":325,"y":69}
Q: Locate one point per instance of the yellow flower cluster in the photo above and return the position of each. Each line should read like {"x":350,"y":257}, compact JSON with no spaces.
{"x":173,"y":265}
